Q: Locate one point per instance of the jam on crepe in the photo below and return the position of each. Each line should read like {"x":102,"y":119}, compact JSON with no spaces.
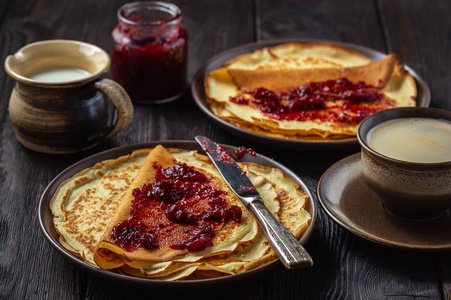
{"x":181,"y":209}
{"x":150,"y":51}
{"x":351,"y":102}
{"x":240,"y":151}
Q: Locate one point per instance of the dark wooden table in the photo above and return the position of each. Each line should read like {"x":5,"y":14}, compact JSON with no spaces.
{"x":346,"y":266}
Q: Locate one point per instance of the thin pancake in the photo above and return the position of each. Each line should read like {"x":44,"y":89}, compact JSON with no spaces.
{"x":83,"y":205}
{"x":226,"y":239}
{"x":283,"y":68}
{"x":376,"y":73}
{"x":236,"y":248}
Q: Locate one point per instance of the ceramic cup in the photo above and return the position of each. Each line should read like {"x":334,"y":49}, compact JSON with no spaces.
{"x":412,"y":190}
{"x":65,"y":115}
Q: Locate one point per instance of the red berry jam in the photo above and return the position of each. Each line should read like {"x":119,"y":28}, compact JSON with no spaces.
{"x":181,"y":209}
{"x":240,"y":151}
{"x":224,"y":155}
{"x":239,"y":100}
{"x":332,"y":100}
{"x":149,"y":57}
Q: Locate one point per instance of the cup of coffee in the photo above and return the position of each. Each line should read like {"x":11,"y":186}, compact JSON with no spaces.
{"x":406,"y":160}
{"x":61,"y":103}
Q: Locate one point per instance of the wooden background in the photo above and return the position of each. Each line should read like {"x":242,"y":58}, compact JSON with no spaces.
{"x":346,"y":266}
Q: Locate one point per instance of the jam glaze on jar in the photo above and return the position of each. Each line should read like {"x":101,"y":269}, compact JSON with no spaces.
{"x":150,"y":52}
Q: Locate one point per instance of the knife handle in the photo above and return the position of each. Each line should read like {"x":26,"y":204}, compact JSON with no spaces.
{"x":287,"y":247}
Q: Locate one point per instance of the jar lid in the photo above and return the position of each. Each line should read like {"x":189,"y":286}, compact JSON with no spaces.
{"x":148,"y":13}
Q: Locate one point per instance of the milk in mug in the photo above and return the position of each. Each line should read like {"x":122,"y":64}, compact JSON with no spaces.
{"x":59,"y":74}
{"x":420,"y":140}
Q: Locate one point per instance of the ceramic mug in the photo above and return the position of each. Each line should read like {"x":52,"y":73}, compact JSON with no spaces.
{"x":65,"y":114}
{"x":412,"y":190}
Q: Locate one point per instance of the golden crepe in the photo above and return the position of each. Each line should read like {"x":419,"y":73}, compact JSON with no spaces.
{"x":83,"y":205}
{"x":88,"y":207}
{"x":315,"y":91}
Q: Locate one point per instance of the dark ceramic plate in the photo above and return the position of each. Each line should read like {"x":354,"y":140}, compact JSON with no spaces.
{"x":344,"y":195}
{"x":46,"y":223}
{"x":197,"y":89}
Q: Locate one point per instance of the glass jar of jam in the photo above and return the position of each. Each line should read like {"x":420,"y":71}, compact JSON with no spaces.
{"x":150,"y":51}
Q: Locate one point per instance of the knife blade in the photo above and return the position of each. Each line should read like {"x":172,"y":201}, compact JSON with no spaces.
{"x":285,"y":245}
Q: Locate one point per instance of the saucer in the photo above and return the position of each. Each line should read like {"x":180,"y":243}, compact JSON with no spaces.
{"x":345,"y":197}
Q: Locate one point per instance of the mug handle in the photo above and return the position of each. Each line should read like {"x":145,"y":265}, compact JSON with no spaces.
{"x":121,"y":101}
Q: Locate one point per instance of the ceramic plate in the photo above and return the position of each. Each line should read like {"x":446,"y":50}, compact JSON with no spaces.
{"x":197,"y":89}
{"x":46,"y":223}
{"x":344,"y":195}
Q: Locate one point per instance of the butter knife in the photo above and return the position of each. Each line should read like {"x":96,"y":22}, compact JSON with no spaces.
{"x":285,"y":245}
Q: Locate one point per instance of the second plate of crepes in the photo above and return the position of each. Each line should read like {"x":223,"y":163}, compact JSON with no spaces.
{"x":263,"y":130}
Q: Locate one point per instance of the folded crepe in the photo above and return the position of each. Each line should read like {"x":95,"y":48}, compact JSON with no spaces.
{"x":375,"y":73}
{"x":286,"y":67}
{"x":236,"y":246}
{"x":111,"y":256}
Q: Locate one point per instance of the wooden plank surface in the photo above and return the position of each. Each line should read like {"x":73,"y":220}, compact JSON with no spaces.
{"x":29,"y":267}
{"x":356,"y":269}
{"x":419,"y":32}
{"x":346,"y":266}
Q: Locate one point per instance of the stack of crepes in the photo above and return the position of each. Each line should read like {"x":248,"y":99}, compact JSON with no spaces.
{"x":88,"y":208}
{"x":290,"y":71}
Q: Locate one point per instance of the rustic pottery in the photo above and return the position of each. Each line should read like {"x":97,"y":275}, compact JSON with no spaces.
{"x":65,"y":116}
{"x":411,"y":190}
